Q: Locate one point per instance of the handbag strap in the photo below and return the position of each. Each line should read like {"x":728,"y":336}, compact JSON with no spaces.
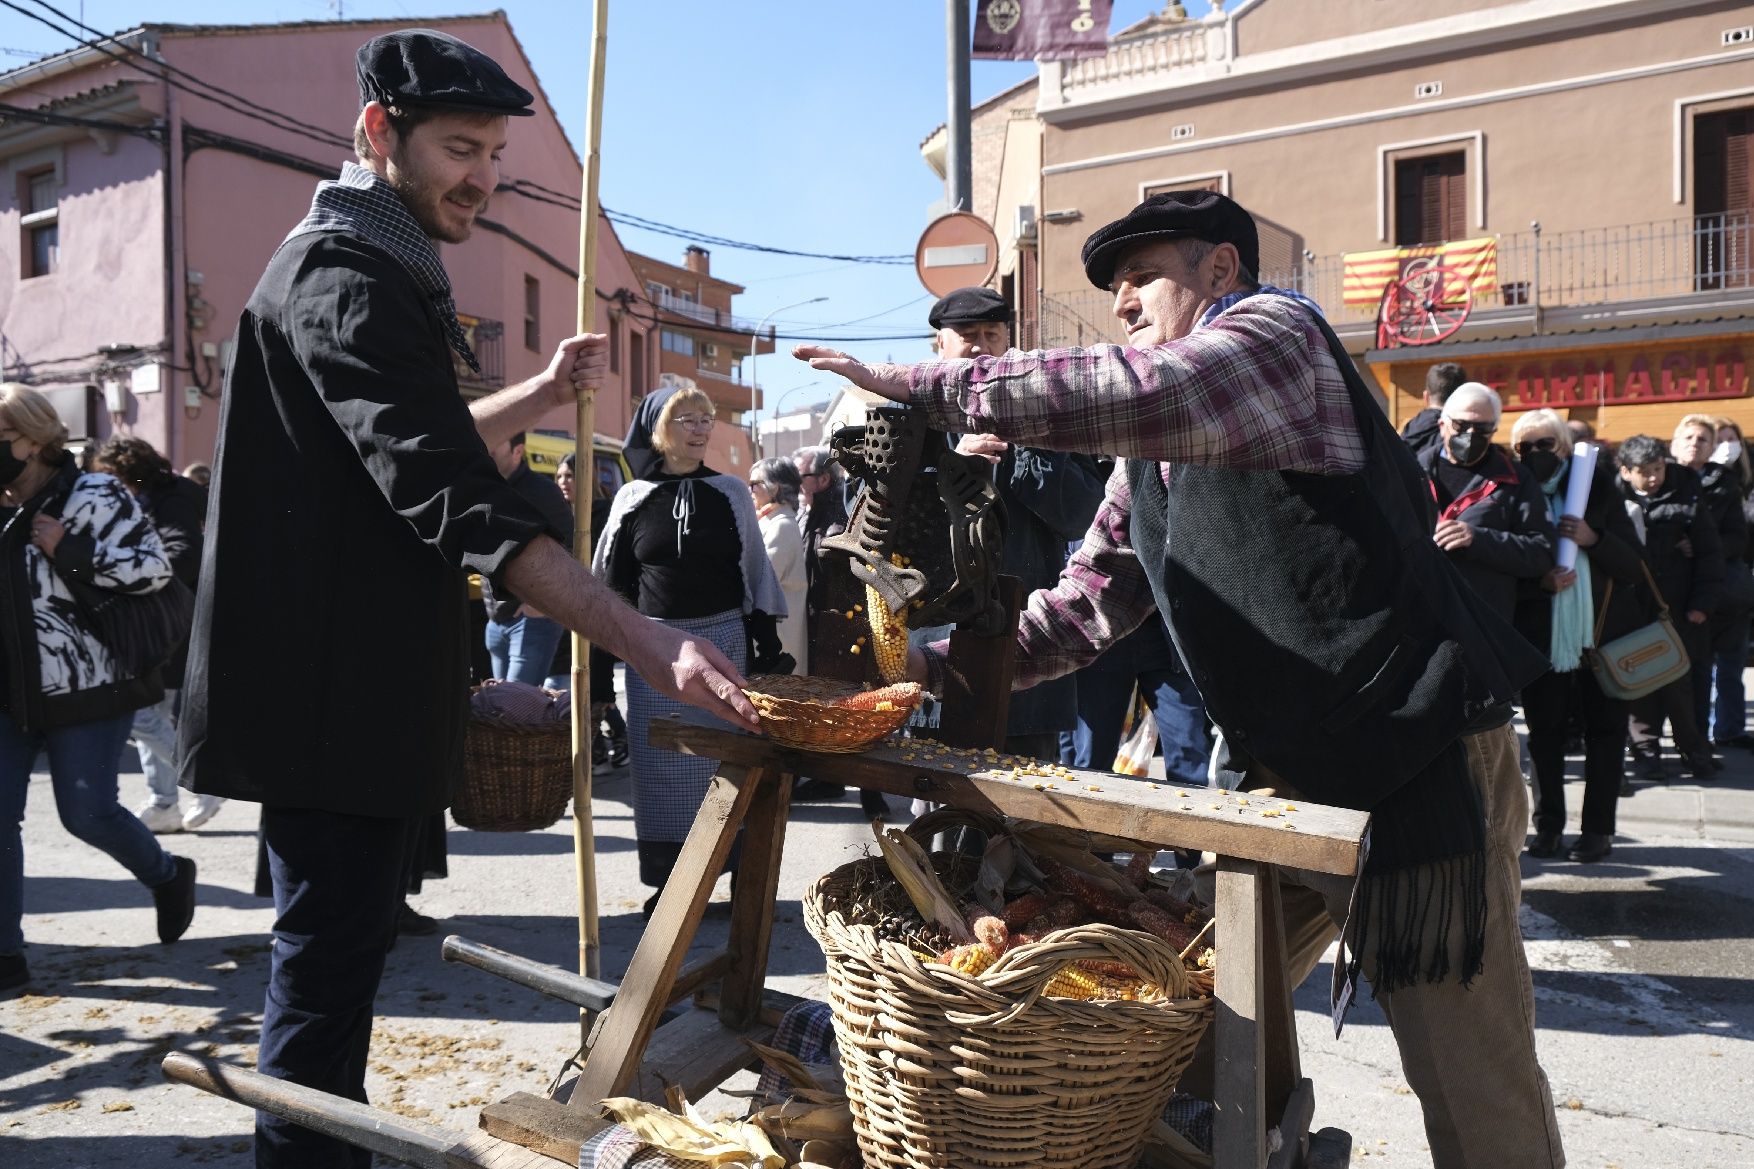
{"x":1608,"y":595}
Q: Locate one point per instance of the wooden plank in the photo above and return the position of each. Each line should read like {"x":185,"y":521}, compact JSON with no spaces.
{"x":697,"y":1051}
{"x":774,"y":1004}
{"x":703,"y":971}
{"x":977,"y":678}
{"x":478,"y":1150}
{"x":752,"y":901}
{"x":1294,"y":1128}
{"x":542,"y":1125}
{"x":1282,"y":1069}
{"x":410,"y":1141}
{"x":626,"y":1027}
{"x":1239,"y":1124}
{"x":1313,"y":836}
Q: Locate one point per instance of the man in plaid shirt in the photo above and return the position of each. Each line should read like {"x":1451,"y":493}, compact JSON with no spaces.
{"x":1268,"y":511}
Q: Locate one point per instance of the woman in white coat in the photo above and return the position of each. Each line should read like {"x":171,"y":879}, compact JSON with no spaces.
{"x":775,"y":485}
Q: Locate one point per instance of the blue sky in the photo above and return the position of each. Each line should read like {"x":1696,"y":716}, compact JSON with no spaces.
{"x":773,"y":121}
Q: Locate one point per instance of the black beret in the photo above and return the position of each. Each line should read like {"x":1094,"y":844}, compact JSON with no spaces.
{"x":1203,"y":215}
{"x":423,"y":67}
{"x":965,"y":306}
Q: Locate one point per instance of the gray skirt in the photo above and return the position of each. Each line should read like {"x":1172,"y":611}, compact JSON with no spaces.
{"x":668,"y":787}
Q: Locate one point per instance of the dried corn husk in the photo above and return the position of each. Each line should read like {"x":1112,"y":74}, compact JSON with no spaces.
{"x":725,"y":1142}
{"x":908,"y":862}
{"x":796,"y":1120}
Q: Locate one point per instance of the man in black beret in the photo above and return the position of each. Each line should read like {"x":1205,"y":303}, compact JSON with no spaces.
{"x":353,"y":492}
{"x":1050,"y":497}
{"x":1281,"y":529}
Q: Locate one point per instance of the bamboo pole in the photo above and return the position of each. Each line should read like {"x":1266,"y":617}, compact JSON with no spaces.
{"x":584,"y":480}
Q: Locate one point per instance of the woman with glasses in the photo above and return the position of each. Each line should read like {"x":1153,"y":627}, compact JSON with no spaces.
{"x":683,"y":545}
{"x":1558,"y":614}
{"x":774,"y":485}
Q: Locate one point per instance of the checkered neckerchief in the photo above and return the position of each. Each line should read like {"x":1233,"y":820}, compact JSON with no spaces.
{"x":364,"y":204}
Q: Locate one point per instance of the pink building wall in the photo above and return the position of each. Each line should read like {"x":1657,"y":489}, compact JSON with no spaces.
{"x":223,"y":214}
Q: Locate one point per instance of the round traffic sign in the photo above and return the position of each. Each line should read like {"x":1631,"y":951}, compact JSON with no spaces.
{"x":958,"y":250}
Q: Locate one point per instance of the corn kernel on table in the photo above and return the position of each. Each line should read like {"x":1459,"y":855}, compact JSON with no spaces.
{"x":1257,"y":1082}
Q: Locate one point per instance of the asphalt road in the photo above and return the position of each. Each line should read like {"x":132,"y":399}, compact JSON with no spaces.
{"x":1644,"y":1006}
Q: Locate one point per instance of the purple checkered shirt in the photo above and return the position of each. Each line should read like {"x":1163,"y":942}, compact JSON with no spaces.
{"x":1254,"y":388}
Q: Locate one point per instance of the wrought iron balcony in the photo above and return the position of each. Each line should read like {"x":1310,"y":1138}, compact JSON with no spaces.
{"x":487,"y":338}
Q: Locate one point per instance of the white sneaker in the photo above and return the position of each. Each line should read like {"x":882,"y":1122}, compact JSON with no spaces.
{"x":203,"y":811}
{"x":160,"y":819}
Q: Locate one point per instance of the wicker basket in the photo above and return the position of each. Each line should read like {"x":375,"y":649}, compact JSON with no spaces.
{"x":948,"y":1071}
{"x":517,"y":777}
{"x":811,"y":713}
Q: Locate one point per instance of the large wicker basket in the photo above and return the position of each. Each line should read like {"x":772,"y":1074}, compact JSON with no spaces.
{"x":948,"y":1071}
{"x":517,"y":777}
{"x":813,"y":714}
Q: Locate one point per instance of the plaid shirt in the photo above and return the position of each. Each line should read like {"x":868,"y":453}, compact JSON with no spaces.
{"x":1252,"y":387}
{"x":364,"y":204}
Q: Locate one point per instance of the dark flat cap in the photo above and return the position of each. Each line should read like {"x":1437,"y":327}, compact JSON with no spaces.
{"x":423,"y":67}
{"x":1203,"y":215}
{"x":966,"y":306}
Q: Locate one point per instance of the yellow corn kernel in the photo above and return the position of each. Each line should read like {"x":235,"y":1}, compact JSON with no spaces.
{"x":970,"y":960}
{"x":888,"y":637}
{"x":853,"y":649}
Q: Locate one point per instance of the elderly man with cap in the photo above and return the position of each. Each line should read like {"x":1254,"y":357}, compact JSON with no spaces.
{"x":1492,"y":518}
{"x":1282,"y":529}
{"x":1050,"y":497}
{"x":353,"y":492}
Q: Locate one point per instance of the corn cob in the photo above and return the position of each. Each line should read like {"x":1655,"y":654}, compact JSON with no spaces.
{"x":888,"y":636}
{"x":970,"y":960}
{"x":988,"y":930}
{"x":1177,"y":908}
{"x":902,"y":694}
{"x":1151,"y":919}
{"x":1105,"y":902}
{"x":1138,"y":869}
{"x":1021,"y":911}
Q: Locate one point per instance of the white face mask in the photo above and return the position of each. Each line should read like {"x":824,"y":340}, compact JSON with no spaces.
{"x":1727,"y":451}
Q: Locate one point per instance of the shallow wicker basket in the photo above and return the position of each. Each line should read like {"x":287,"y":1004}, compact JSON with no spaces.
{"x":948,"y":1071}
{"x":809,"y":713}
{"x":516,"y":777}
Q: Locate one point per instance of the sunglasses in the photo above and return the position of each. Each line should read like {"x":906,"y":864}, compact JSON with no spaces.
{"x":1528,"y":446}
{"x":1480,"y":427}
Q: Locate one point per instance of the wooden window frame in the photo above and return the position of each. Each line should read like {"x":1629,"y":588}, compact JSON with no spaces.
{"x":1473,"y":143}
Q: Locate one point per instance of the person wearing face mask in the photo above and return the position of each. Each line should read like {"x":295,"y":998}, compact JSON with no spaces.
{"x":62,"y":691}
{"x":1720,"y":487}
{"x":1558,"y":614}
{"x":1492,"y":522}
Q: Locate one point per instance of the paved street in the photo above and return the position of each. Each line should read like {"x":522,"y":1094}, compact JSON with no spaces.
{"x":1645,"y":1016}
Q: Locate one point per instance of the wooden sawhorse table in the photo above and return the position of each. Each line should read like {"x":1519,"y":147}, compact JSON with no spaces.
{"x":1257,"y":1086}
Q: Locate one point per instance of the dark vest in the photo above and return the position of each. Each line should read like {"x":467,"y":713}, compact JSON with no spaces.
{"x":1331,"y":640}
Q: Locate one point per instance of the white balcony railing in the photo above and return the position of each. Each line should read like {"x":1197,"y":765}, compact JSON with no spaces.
{"x":706,"y":314}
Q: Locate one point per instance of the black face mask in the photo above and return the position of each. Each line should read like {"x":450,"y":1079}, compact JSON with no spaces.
{"x":11,"y":466}
{"x":1467,"y":446}
{"x":1541,"y":464}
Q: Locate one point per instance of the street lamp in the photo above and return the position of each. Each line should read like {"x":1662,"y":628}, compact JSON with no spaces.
{"x":754,"y":386}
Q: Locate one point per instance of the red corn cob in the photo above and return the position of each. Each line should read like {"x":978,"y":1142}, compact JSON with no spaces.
{"x":1138,"y":869}
{"x":1177,"y":908}
{"x":1020,"y":911}
{"x":1095,"y":896}
{"x":1063,"y":911}
{"x":1153,"y":920}
{"x":990,"y":931}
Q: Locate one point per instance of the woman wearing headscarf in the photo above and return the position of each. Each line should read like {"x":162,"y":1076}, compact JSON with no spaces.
{"x":62,"y":691}
{"x":774,"y":485}
{"x":1558,"y":614}
{"x":684,"y":547}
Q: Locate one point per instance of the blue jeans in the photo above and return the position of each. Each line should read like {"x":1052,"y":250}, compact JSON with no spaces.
{"x":1146,"y":657}
{"x":82,"y":771}
{"x":1729,"y":657}
{"x":155,"y":737}
{"x":523,"y":650}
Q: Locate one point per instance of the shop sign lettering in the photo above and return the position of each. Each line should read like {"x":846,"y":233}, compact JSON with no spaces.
{"x":1618,"y":379}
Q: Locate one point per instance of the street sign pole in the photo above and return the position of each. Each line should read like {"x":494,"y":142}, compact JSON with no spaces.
{"x":958,"y":161}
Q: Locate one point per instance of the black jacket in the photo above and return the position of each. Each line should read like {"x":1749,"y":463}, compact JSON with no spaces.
{"x":826,"y":517}
{"x":178,"y":508}
{"x":1421,"y":430}
{"x":1615,"y":557}
{"x":1513,"y":536}
{"x":547,"y":498}
{"x":1680,"y":542}
{"x":1050,"y":497}
{"x":1722,"y":485}
{"x":352,"y":495}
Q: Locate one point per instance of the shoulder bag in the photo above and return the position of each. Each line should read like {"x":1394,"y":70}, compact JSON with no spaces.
{"x":1643,"y":661}
{"x":141,"y":630}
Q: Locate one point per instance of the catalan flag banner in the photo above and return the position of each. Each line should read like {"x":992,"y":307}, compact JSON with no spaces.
{"x":1368,"y":273}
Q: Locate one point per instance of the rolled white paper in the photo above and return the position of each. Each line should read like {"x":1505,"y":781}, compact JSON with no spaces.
{"x":1577,"y":497}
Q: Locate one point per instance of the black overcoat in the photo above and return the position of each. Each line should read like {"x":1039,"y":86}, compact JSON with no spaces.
{"x":351,"y":496}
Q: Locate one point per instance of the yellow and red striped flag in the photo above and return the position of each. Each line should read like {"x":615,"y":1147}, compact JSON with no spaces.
{"x":1368,"y":273}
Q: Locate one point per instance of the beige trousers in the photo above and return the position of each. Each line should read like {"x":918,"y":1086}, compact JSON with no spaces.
{"x":1467,"y":1052}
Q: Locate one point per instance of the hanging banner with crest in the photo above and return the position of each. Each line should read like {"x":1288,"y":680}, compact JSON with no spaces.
{"x":1048,"y":30}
